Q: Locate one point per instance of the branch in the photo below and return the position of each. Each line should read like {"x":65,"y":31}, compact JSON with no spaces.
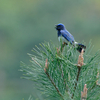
{"x":45,"y":69}
{"x":96,"y":84}
{"x":81,"y":59}
{"x":77,"y":78}
{"x":79,"y":65}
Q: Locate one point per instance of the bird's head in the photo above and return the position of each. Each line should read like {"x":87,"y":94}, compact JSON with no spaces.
{"x":60,"y":27}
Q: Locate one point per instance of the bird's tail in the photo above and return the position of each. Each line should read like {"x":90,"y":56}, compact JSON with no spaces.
{"x":80,"y":47}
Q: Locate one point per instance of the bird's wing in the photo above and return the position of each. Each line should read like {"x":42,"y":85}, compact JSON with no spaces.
{"x":67,"y":36}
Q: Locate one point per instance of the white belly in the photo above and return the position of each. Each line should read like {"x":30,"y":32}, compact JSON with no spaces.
{"x":62,"y":39}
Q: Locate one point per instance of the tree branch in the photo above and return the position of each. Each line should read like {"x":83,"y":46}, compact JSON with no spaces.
{"x":77,"y":78}
{"x":45,"y":69}
{"x":79,"y":65}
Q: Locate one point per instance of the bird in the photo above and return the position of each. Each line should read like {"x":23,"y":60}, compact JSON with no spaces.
{"x":66,"y":37}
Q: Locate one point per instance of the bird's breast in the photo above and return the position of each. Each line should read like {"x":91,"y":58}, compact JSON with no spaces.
{"x":62,"y":39}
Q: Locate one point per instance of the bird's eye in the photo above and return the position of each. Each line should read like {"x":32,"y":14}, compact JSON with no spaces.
{"x":59,"y":26}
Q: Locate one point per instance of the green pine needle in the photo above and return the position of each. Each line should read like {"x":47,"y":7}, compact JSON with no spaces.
{"x":61,"y":79}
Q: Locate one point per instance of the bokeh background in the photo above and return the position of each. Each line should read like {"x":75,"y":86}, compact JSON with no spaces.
{"x":26,"y":23}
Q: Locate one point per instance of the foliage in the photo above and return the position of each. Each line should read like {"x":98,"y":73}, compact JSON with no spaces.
{"x":57,"y":74}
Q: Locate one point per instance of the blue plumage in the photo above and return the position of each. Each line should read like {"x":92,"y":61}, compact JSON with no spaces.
{"x":67,"y":37}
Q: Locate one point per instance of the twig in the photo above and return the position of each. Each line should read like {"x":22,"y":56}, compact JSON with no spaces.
{"x":46,"y":66}
{"x":84,"y":93}
{"x":54,"y":85}
{"x":77,"y":78}
{"x":96,"y":84}
{"x":62,"y":46}
{"x":81,"y":59}
{"x":45,"y":69}
{"x":79,"y":65}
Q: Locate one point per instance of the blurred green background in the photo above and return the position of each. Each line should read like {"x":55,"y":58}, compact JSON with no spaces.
{"x":26,"y":23}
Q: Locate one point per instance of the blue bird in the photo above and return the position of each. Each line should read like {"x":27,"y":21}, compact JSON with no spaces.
{"x":67,"y":37}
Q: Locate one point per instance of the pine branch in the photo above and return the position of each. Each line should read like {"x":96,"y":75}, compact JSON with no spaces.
{"x":45,"y":69}
{"x":77,"y":78}
{"x":79,"y":65}
{"x":58,"y":76}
